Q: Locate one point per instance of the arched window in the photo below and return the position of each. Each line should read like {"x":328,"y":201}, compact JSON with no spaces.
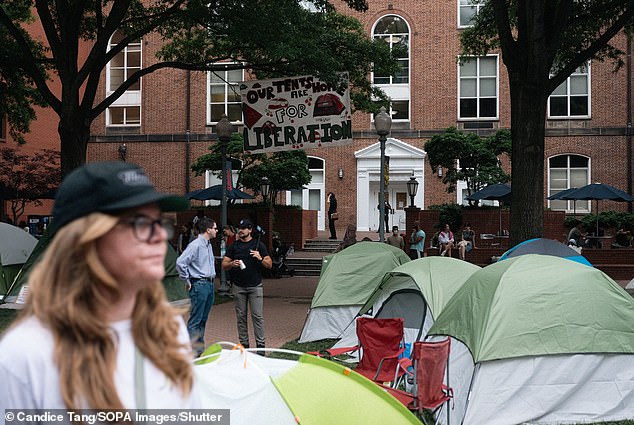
{"x":394,"y":31}
{"x":564,"y":172}
{"x":126,"y":110}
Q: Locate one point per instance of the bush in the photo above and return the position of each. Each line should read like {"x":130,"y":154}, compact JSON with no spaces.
{"x":449,"y":213}
{"x":607,"y":219}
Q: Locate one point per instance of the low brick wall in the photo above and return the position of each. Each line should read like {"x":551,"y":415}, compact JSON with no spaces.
{"x":294,"y":225}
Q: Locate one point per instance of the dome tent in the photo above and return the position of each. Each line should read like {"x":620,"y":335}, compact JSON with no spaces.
{"x":550,"y":341}
{"x":346,"y":281}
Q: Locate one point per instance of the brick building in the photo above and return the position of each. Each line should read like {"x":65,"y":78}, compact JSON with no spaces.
{"x":168,"y":120}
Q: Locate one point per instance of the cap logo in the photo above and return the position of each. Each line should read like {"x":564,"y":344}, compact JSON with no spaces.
{"x":134,"y":178}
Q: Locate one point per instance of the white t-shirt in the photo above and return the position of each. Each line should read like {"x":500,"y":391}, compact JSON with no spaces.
{"x":30,"y":378}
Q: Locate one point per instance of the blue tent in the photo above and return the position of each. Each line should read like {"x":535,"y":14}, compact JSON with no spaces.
{"x":545,"y":247}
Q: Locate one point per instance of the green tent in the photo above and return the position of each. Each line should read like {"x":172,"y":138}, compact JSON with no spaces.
{"x":346,"y":281}
{"x":417,"y":292}
{"x":175,"y":289}
{"x":15,"y":247}
{"x":538,"y":305}
{"x":550,"y":341}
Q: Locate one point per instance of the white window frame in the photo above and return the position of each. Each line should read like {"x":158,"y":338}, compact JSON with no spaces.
{"x":468,"y":4}
{"x":397,"y":91}
{"x":478,"y":117}
{"x":580,"y":206}
{"x":588,"y":75}
{"x":222,"y":75}
{"x":131,"y":98}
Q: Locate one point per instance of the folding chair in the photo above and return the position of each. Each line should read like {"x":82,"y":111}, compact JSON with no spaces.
{"x":430,"y":364}
{"x":431,"y":367}
{"x":380,"y":345}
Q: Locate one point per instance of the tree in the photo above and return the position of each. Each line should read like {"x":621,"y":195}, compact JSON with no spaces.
{"x":17,"y":94}
{"x":469,"y":157}
{"x":25,"y":179}
{"x":542,"y":43}
{"x":285,"y":170}
{"x":269,"y":37}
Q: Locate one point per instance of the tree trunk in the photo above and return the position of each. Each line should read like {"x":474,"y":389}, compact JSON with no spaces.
{"x":528,"y":106}
{"x":74,"y":132}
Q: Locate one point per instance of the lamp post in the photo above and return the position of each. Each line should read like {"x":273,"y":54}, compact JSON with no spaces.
{"x":224,"y":129}
{"x":412,"y":188}
{"x":265,"y":188}
{"x":382,"y":123}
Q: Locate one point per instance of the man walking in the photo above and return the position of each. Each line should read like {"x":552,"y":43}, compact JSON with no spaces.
{"x":196,"y":267}
{"x":244,"y":259}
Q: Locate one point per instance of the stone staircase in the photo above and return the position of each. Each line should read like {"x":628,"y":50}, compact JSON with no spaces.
{"x":326,"y":246}
{"x":307,"y":262}
{"x":303,"y":266}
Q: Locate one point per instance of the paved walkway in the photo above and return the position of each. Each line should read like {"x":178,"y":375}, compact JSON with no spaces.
{"x":286,"y":304}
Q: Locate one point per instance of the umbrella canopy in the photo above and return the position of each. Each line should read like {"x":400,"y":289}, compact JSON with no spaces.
{"x":545,"y":247}
{"x":493,"y":192}
{"x":215,"y":192}
{"x":561,"y":194}
{"x":537,"y":305}
{"x":597,"y":191}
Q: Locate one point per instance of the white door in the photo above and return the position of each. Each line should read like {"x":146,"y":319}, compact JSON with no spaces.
{"x":313,"y":197}
{"x":397,"y":197}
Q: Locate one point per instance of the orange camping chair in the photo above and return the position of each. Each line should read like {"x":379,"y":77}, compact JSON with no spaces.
{"x":380,"y":345}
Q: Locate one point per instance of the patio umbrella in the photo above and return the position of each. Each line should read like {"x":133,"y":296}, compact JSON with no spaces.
{"x":560,"y":196}
{"x":215,"y":192}
{"x":493,"y":192}
{"x":597,"y":192}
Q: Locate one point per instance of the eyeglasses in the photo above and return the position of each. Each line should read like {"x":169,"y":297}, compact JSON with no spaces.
{"x":144,"y":227}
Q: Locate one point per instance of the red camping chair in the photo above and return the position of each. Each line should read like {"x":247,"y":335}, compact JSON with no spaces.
{"x":430,"y":361}
{"x":380,"y":345}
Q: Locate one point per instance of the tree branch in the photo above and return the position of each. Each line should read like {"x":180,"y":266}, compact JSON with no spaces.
{"x":29,"y":62}
{"x":588,"y":53}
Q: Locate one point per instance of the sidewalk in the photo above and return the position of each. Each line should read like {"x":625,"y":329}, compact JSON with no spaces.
{"x":286,"y":304}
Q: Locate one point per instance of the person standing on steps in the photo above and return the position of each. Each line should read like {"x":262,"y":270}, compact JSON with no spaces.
{"x":244,"y":259}
{"x":332,"y":209}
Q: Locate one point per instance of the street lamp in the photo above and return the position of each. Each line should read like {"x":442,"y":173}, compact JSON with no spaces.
{"x":224,"y":130}
{"x":265,"y":188}
{"x":412,"y":188}
{"x":382,"y":124}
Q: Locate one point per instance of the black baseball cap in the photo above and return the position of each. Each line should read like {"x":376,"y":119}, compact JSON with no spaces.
{"x":245,"y":223}
{"x":108,"y":187}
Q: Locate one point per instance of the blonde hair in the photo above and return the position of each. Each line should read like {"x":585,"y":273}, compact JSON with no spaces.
{"x":70,"y":290}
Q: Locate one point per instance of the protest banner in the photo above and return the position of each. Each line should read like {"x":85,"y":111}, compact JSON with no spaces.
{"x":295,"y":113}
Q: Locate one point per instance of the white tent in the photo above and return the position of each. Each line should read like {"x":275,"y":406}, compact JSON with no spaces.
{"x":548,"y":341}
{"x":15,"y":247}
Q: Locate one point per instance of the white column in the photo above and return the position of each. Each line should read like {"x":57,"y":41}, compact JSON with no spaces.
{"x":363,"y":206}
